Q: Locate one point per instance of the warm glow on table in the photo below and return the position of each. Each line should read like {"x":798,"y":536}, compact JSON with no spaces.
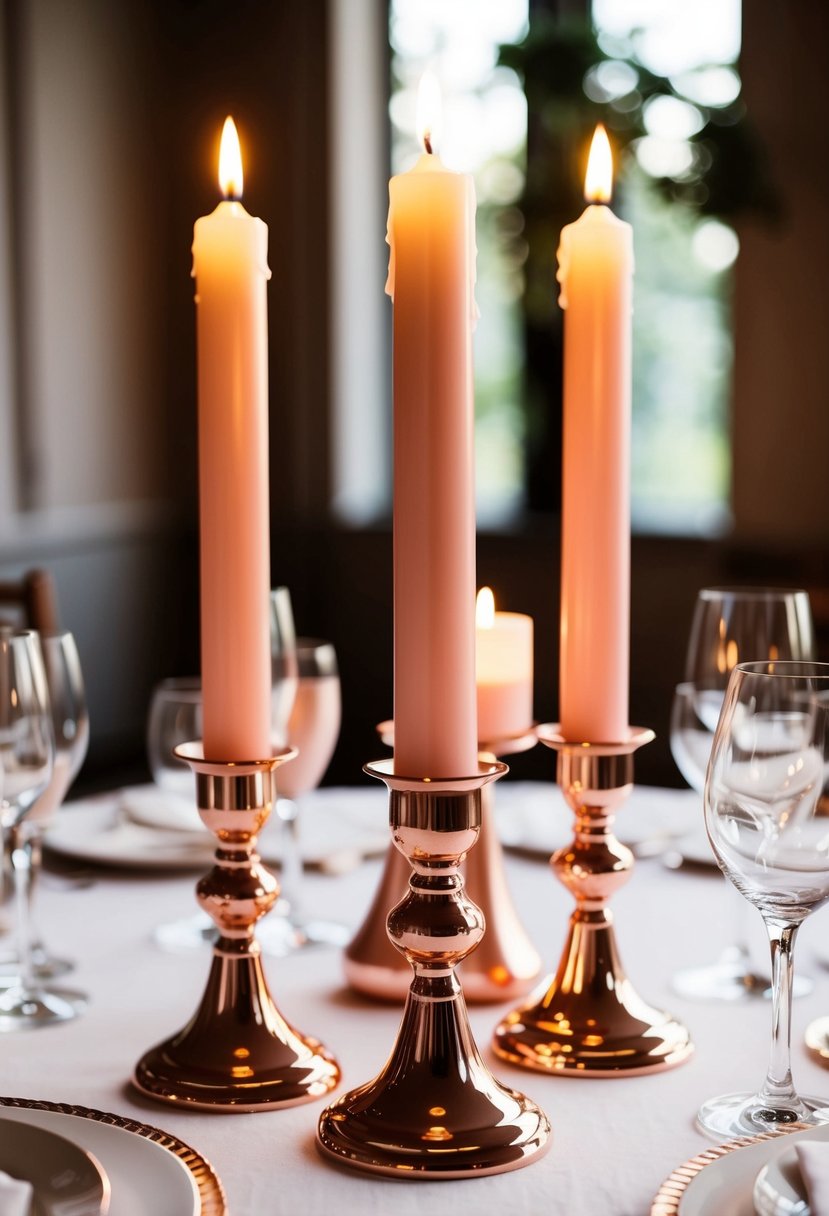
{"x":230,"y":250}
{"x":431,"y":234}
{"x":595,"y":273}
{"x":504,"y":670}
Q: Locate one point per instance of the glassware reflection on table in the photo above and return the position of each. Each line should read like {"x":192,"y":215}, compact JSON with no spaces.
{"x":765,"y":797}
{"x":27,"y":754}
{"x":175,"y":717}
{"x":731,"y":626}
{"x":314,"y":728}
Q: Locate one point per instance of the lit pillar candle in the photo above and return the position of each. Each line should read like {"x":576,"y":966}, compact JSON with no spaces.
{"x":596,"y":277}
{"x":431,"y":234}
{"x":230,"y":250}
{"x":504,"y":670}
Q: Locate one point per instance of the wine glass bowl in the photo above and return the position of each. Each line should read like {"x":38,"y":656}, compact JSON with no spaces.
{"x":313,"y":728}
{"x":764,"y":800}
{"x":314,"y":724}
{"x":730,"y":626}
{"x":175,"y":717}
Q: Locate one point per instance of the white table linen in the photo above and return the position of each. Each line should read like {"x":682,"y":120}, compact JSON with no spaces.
{"x":614,"y":1141}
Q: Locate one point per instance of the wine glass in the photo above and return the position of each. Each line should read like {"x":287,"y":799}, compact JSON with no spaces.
{"x":314,"y":728}
{"x":175,"y":717}
{"x":70,"y":724}
{"x":27,"y":753}
{"x":730,"y":626}
{"x":766,"y":778}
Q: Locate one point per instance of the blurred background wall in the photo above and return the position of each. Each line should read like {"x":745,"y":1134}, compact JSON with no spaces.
{"x":109,"y":124}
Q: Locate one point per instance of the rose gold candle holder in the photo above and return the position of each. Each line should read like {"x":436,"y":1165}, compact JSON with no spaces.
{"x":505,"y":966}
{"x":434,"y":1111}
{"x":591,"y":1021}
{"x":237,"y":1052}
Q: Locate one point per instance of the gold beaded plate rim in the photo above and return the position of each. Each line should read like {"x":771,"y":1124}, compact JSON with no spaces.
{"x":669,"y":1196}
{"x":211,"y":1192}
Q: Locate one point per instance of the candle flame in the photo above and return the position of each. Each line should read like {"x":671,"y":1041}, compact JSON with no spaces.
{"x":598,"y":182}
{"x":429,"y":111}
{"x":230,"y":161}
{"x":485,"y":609}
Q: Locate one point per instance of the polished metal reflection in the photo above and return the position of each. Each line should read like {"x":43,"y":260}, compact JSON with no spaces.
{"x":435,"y":1111}
{"x":505,"y":966}
{"x":237,"y":1052}
{"x":590,"y":1020}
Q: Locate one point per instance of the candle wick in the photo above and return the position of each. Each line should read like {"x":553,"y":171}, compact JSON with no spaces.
{"x":427,"y":143}
{"x":233,"y":197}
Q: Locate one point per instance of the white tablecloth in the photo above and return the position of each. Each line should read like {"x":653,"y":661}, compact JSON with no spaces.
{"x":614,"y":1141}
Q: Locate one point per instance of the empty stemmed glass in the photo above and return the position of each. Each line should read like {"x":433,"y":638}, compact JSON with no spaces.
{"x":70,"y":724}
{"x":175,"y":717}
{"x":730,"y":626}
{"x":27,"y":751}
{"x":314,"y":728}
{"x":764,"y":799}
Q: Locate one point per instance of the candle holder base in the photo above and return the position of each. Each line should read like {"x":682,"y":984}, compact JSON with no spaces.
{"x":472,"y":1124}
{"x":591,"y":1021}
{"x":237,"y":1053}
{"x":435,"y":1111}
{"x":505,"y":966}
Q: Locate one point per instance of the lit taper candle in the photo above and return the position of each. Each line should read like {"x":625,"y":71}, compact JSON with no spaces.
{"x":431,"y":233}
{"x":230,"y":250}
{"x":596,"y":277}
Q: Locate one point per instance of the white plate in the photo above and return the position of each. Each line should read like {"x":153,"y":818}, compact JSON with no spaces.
{"x":64,"y":1176}
{"x":333,"y":822}
{"x":721,"y":1180}
{"x":779,"y":1189}
{"x":533,"y":818}
{"x":157,"y":1174}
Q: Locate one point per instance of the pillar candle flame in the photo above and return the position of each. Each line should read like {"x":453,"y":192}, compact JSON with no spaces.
{"x":598,"y":182}
{"x":230,"y":161}
{"x":485,"y":609}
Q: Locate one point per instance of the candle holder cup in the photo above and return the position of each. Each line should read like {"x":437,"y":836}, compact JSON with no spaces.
{"x":434,"y":1111}
{"x":505,"y":966}
{"x":591,"y":1021}
{"x":237,"y":1053}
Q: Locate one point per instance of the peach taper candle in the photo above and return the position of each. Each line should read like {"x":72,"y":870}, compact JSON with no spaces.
{"x":596,"y":277}
{"x":431,"y":234}
{"x":230,"y":250}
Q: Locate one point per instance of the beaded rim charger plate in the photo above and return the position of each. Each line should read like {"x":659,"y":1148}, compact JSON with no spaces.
{"x":135,"y":1156}
{"x":721,"y":1179}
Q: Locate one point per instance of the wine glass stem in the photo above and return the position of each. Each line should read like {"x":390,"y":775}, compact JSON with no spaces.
{"x":21,"y":859}
{"x":778,"y":1089}
{"x":290,"y":874}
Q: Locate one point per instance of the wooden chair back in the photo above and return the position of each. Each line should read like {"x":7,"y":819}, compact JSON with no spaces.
{"x":32,"y":601}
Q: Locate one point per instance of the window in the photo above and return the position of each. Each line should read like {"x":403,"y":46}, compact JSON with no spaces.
{"x":682,"y":289}
{"x":484,"y":133}
{"x":682,"y":328}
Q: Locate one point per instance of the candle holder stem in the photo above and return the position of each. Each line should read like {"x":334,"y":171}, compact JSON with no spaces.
{"x":505,"y":966}
{"x":591,"y":1021}
{"x":237,"y":1052}
{"x":434,"y":1111}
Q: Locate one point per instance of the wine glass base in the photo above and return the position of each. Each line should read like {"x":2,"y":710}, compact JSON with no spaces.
{"x":733,"y":1115}
{"x":282,"y":935}
{"x":188,"y":933}
{"x":728,"y":980}
{"x":28,"y":1009}
{"x":277,"y":935}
